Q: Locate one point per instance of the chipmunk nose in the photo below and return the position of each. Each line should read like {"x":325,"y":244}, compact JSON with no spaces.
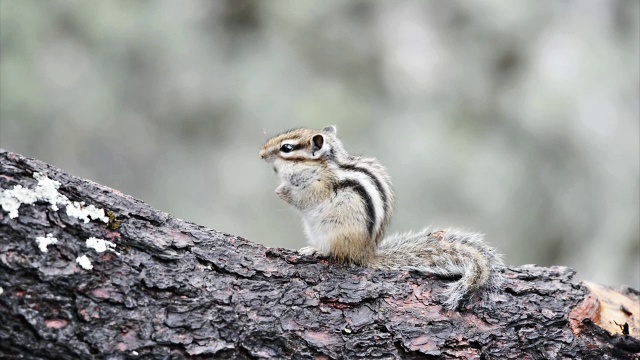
{"x":263,"y":154}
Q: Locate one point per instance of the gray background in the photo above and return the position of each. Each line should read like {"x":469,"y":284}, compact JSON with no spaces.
{"x":517,"y":118}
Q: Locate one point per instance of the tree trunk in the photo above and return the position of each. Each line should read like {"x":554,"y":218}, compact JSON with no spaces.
{"x":173,"y":289}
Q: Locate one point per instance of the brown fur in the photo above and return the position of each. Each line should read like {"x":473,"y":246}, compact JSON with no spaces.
{"x":353,"y":248}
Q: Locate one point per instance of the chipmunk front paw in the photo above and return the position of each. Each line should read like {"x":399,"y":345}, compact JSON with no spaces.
{"x":311,"y":251}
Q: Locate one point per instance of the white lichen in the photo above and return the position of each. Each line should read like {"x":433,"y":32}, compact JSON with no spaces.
{"x":43,"y":242}
{"x":84,"y":262}
{"x":12,"y":199}
{"x":1,"y":291}
{"x":100,"y":245}
{"x":82,"y":212}
{"x":46,"y":190}
{"x":10,"y":205}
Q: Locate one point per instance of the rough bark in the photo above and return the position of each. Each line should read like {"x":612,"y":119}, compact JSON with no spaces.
{"x":178,"y":290}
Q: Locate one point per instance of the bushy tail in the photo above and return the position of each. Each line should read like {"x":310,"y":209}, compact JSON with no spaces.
{"x":447,"y":252}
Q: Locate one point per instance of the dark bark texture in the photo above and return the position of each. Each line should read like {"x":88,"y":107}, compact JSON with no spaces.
{"x":177,"y":290}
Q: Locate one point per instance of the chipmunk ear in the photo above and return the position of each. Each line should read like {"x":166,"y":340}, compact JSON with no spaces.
{"x":317,"y":142}
{"x":331,"y":129}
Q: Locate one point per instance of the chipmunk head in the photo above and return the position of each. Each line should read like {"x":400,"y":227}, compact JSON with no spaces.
{"x":300,"y":158}
{"x":303,"y":144}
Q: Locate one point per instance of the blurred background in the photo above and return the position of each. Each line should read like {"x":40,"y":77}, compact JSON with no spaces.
{"x":519,"y":119}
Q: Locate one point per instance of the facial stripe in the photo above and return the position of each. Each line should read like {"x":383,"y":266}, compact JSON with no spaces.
{"x":368,"y":202}
{"x":298,"y":158}
{"x":292,"y":136}
{"x":290,"y":142}
{"x":297,"y":147}
{"x":288,"y":132}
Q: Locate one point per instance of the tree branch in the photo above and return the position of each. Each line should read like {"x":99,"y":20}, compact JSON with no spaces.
{"x":170,"y":288}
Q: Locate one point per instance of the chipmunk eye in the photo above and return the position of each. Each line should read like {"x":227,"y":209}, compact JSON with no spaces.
{"x":286,"y":148}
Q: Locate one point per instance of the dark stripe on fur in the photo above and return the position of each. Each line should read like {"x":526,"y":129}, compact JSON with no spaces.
{"x":376,"y":183}
{"x":368,"y":202}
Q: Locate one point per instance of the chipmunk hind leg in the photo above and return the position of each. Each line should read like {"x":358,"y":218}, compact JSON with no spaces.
{"x":352,"y":248}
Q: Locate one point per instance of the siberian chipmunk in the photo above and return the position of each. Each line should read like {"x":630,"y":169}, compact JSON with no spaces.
{"x":346,"y":203}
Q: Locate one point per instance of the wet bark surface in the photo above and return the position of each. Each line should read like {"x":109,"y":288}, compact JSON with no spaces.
{"x":173,"y":290}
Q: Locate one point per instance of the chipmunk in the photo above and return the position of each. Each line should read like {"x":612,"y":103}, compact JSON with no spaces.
{"x":346,"y":204}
